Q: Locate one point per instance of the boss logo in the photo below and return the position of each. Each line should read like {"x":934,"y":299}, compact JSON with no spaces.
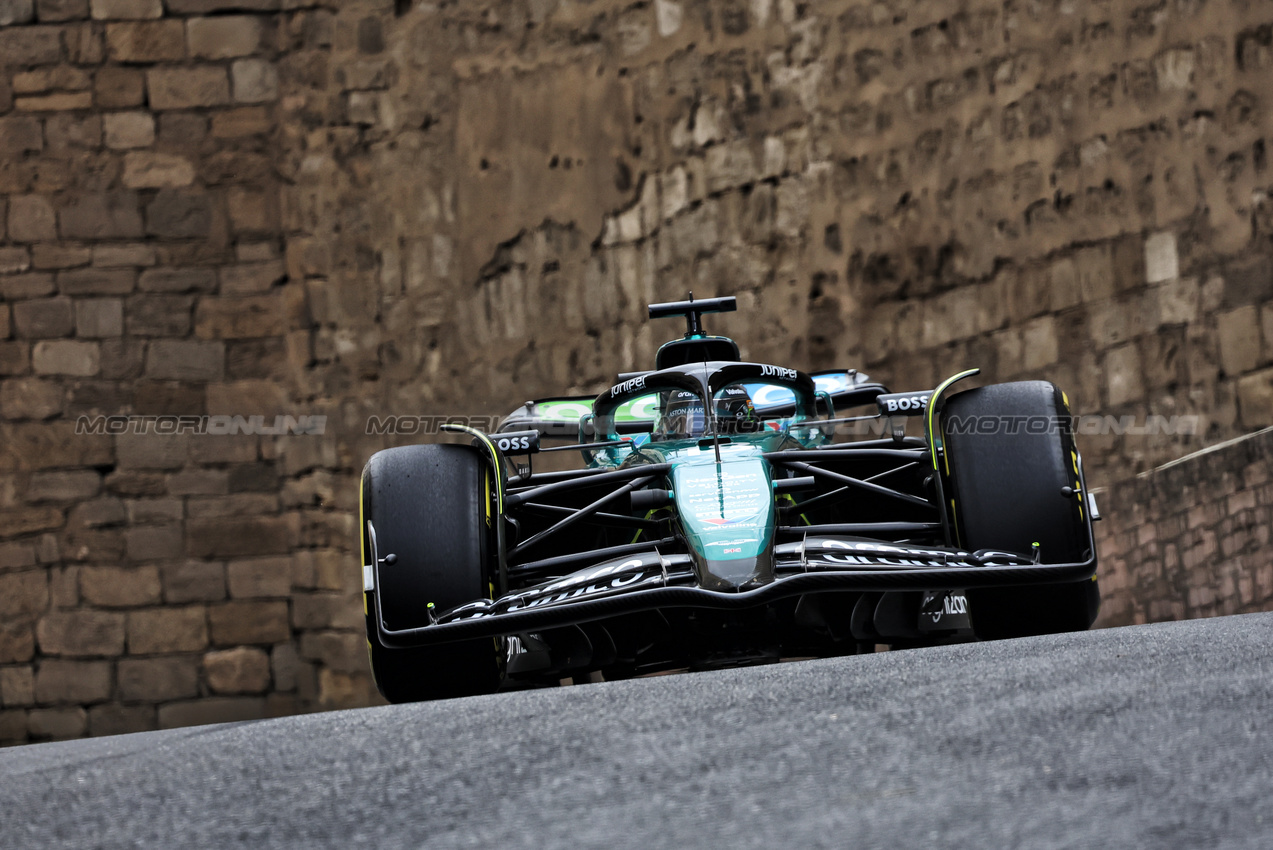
{"x":517,"y":443}
{"x":628,"y":386}
{"x":904,"y":404}
{"x":777,"y":372}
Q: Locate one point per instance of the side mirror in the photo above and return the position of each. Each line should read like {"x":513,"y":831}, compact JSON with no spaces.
{"x":824,"y":400}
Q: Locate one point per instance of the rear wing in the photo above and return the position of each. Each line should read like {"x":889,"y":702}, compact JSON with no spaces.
{"x":559,"y":416}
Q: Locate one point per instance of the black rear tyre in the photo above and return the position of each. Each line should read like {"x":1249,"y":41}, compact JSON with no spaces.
{"x":1007,"y":483}
{"x":428,"y":505}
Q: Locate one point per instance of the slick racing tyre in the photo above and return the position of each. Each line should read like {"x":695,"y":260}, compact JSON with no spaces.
{"x":428,"y":505}
{"x":1008,"y":485}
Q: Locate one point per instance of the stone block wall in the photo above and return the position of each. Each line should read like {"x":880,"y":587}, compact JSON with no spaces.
{"x":149,"y":578}
{"x":1194,"y":540}
{"x":1070,"y":191}
{"x":262,"y":207}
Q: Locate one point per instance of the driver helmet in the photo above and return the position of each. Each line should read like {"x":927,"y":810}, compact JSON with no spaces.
{"x":735,"y":412}
{"x":683,"y":417}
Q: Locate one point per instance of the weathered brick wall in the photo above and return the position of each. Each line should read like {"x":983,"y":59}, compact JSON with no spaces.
{"x":1042,"y":190}
{"x":156,"y":580}
{"x":259,"y":207}
{"x":1194,"y":537}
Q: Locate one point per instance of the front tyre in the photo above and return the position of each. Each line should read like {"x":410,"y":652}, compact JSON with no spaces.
{"x":1008,"y":485}
{"x":429,"y":506}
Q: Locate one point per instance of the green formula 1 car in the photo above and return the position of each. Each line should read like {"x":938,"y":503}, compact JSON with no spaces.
{"x":721,"y":518}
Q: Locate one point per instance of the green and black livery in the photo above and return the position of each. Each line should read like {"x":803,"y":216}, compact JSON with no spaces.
{"x":720,"y":518}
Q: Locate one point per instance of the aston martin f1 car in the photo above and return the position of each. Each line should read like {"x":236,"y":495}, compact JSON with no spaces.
{"x":722,"y":517}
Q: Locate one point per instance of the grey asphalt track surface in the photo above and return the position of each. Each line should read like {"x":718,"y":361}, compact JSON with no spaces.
{"x":1151,"y":736}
